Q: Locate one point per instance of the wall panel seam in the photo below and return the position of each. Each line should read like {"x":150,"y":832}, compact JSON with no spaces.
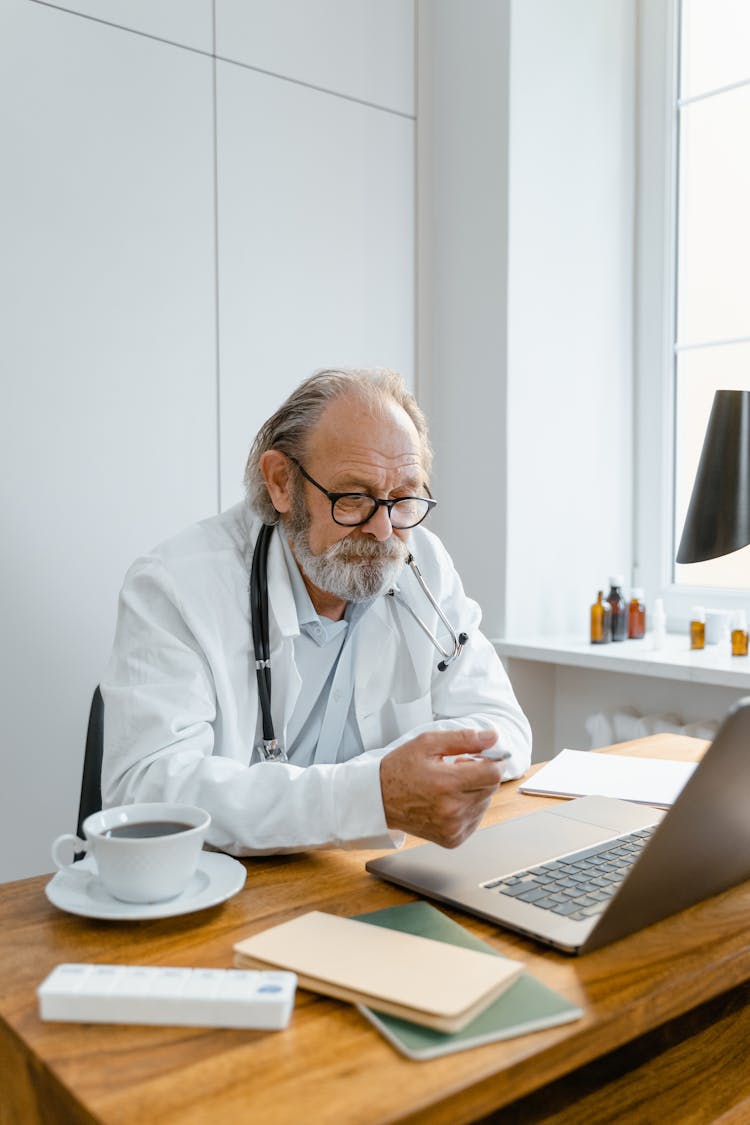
{"x":121,"y":27}
{"x":319,"y":89}
{"x":223,"y":58}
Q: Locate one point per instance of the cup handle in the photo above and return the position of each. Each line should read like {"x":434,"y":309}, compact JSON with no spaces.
{"x":79,"y":846}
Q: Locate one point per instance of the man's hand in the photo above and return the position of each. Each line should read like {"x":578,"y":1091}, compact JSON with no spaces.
{"x":439,"y":800}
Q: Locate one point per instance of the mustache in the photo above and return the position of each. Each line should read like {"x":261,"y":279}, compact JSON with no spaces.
{"x":365,"y":549}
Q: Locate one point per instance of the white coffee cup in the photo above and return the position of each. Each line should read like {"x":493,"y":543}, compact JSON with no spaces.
{"x":145,"y":852}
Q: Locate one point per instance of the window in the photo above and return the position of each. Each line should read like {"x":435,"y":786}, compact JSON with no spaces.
{"x":693,"y":276}
{"x":712,"y":267}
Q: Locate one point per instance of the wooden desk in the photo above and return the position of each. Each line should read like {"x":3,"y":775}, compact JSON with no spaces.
{"x":672,"y":1003}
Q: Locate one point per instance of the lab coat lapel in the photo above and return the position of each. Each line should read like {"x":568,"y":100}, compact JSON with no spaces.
{"x":379,"y":663}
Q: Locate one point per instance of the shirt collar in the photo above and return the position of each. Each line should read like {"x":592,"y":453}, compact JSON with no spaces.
{"x":306,"y":613}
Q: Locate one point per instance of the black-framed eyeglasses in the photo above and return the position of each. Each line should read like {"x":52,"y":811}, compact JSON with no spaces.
{"x":351,"y":509}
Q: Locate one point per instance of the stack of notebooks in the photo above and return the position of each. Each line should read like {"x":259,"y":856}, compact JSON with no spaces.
{"x":429,"y":986}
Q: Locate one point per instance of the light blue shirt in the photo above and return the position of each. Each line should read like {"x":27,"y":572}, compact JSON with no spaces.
{"x":323,"y":726}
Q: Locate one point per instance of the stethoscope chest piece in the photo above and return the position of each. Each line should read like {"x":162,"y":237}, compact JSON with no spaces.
{"x":271,"y":750}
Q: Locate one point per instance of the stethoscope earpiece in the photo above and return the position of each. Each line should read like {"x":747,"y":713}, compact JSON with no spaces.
{"x":458,"y":640}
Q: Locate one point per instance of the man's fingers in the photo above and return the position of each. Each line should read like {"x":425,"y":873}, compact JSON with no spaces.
{"x":444,"y":743}
{"x":461,"y":750}
{"x":438,"y":785}
{"x":473,"y":783}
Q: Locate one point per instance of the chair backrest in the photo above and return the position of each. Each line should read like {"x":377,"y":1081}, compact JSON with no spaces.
{"x":91,"y":780}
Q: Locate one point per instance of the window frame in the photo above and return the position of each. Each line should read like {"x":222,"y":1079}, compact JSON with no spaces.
{"x":655,"y":320}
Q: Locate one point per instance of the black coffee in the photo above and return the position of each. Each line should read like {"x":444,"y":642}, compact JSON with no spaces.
{"x":147,"y":828}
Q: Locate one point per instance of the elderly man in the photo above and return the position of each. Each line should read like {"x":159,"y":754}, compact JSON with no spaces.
{"x":374,"y":732}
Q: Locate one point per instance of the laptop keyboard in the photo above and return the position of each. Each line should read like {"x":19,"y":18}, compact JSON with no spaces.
{"x":578,"y":885}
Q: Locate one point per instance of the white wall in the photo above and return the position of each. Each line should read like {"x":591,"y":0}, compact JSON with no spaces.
{"x":316,"y":245}
{"x":570,"y":308}
{"x":107,"y":431}
{"x":463,"y":117}
{"x":526,"y":178}
{"x":656,"y":197}
{"x":188,"y":23}
{"x":123,"y":402}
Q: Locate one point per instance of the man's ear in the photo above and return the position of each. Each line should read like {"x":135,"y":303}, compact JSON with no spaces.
{"x":276,"y":469}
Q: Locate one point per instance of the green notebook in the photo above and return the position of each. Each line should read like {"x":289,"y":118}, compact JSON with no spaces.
{"x":527,"y":1005}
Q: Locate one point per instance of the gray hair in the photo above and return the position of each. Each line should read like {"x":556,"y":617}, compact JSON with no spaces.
{"x":289,"y":428}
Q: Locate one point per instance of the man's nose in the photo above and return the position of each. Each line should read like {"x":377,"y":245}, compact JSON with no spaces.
{"x":379,"y":524}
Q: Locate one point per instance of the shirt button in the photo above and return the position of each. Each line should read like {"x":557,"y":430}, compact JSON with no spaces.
{"x":337,"y":695}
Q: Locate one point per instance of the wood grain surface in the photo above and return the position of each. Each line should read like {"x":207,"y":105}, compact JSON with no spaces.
{"x":670,"y":1003}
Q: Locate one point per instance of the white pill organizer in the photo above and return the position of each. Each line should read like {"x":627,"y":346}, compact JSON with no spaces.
{"x":145,"y":994}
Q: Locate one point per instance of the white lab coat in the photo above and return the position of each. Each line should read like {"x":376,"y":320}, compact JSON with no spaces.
{"x":181,"y":713}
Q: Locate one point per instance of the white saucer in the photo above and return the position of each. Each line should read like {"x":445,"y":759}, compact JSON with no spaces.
{"x":79,"y":891}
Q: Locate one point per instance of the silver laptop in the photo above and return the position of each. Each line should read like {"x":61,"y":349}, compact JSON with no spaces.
{"x":581,"y":874}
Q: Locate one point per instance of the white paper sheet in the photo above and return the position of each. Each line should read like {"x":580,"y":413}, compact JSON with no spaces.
{"x":584,"y":773}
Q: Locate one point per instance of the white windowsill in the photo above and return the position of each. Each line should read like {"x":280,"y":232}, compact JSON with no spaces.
{"x":675,"y":661}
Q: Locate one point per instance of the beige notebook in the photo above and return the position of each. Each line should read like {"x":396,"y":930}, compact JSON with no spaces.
{"x":415,"y":978}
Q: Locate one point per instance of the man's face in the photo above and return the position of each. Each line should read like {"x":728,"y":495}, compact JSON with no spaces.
{"x":352,"y":450}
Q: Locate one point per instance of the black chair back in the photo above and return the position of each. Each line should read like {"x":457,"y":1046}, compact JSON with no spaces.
{"x":91,"y":781}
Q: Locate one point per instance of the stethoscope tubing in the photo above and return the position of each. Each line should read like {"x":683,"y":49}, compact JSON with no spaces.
{"x":259,"y":624}
{"x":458,"y":640}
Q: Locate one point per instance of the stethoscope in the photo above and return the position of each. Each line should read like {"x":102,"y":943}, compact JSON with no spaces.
{"x":270,"y":747}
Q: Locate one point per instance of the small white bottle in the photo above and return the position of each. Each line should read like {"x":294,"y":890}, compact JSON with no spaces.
{"x":659,"y":617}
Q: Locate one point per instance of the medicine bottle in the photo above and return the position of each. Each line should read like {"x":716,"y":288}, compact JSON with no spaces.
{"x":636,"y":615}
{"x":697,"y":627}
{"x":618,"y":607}
{"x":739,"y":633}
{"x":601,"y":620}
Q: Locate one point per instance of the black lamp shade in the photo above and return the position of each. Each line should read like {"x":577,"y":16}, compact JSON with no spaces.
{"x":718,"y":518}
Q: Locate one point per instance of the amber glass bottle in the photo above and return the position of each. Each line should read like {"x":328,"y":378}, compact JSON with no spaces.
{"x":600,"y":620}
{"x":698,"y":627}
{"x":636,"y":615}
{"x":739,"y":633}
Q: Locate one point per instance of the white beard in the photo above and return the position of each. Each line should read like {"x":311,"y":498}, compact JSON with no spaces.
{"x":355,"y":569}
